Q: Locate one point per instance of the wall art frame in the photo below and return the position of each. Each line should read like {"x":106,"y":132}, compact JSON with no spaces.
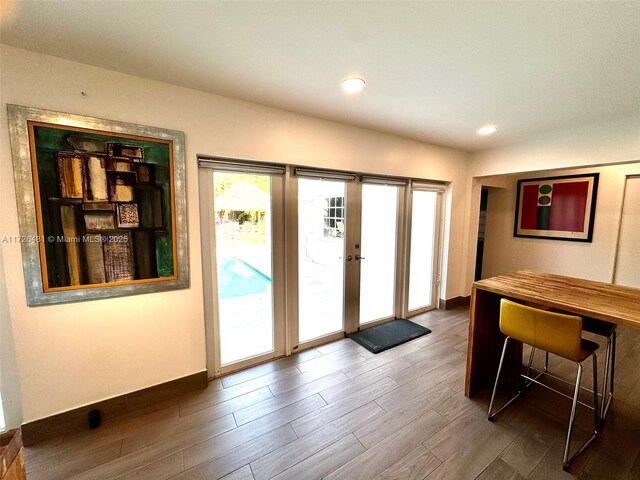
{"x":101,"y":206}
{"x":556,"y":208}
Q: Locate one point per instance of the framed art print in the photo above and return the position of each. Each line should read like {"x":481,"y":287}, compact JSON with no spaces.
{"x":104,"y":203}
{"x":557,"y":208}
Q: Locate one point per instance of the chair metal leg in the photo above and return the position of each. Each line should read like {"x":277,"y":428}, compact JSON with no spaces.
{"x":596,"y":416}
{"x":546,"y":361}
{"x":612,"y":360}
{"x":565,"y":458}
{"x":491,"y":414}
{"x":605,"y":379}
{"x":531,"y":356}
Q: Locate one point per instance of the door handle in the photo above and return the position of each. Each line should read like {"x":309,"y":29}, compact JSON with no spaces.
{"x":349,"y":258}
{"x":358,"y":257}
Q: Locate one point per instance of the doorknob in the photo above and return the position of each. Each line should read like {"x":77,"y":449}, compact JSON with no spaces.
{"x":349,"y":258}
{"x":358,"y":257}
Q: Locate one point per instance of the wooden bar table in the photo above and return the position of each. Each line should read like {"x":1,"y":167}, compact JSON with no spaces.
{"x":604,"y":301}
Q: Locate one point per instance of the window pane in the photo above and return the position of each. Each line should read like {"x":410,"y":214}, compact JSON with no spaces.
{"x":320,"y":259}
{"x":243,"y":256}
{"x":423,"y":223}
{"x":378,"y":242}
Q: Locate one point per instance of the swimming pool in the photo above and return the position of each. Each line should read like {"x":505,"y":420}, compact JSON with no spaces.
{"x":236,"y":278}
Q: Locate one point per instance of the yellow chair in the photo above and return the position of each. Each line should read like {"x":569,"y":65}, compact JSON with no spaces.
{"x":554,"y":333}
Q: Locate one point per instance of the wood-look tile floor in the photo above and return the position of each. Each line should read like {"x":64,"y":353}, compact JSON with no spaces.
{"x":340,"y":412}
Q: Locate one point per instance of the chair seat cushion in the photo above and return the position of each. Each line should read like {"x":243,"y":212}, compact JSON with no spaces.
{"x":587,"y":347}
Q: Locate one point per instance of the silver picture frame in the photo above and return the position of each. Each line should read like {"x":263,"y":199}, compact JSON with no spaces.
{"x":19,"y":118}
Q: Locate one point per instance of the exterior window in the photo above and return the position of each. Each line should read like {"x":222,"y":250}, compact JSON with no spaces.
{"x":334,"y":217}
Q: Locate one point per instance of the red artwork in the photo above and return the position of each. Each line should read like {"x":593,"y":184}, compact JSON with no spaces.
{"x":558,"y":207}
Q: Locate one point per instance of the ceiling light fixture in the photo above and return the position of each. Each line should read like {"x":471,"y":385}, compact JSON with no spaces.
{"x":487,"y":130}
{"x":353,"y":84}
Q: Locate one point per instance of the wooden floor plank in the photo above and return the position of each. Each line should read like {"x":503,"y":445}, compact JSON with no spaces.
{"x":163,"y":447}
{"x":230,"y":406}
{"x":336,"y":359}
{"x":67,"y":468}
{"x":389,"y":423}
{"x":148,"y":436}
{"x":328,"y":413}
{"x":298,"y":450}
{"x":325,"y":461}
{"x":416,"y":465}
{"x":287,"y":384}
{"x":415,"y":388}
{"x":259,"y":409}
{"x":469,"y":462}
{"x":550,"y":467}
{"x":243,"y":473}
{"x":202,"y":451}
{"x":499,"y":470}
{"x":384,"y":370}
{"x":386,"y":453}
{"x":531,"y":446}
{"x":428,"y":367}
{"x":217,"y":466}
{"x":267,"y":368}
{"x":162,"y":469}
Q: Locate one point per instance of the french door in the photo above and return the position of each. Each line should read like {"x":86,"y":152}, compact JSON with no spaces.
{"x":242,"y":210}
{"x":423,"y":248}
{"x":352,"y":260}
{"x":295,"y":257}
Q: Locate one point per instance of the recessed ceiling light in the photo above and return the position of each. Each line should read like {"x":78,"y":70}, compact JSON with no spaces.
{"x":487,"y":130}
{"x":353,"y":84}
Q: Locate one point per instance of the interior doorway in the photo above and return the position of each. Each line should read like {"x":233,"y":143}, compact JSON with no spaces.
{"x":482,"y":222}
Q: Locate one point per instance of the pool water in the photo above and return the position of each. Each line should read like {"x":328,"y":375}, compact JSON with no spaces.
{"x":237,"y":278}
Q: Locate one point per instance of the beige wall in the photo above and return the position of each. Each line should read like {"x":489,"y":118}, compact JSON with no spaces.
{"x":9,"y":381}
{"x":606,"y":143}
{"x":594,"y":261}
{"x":71,"y":355}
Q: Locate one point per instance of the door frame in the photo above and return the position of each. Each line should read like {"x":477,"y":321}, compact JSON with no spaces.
{"x":438,"y":242}
{"x":293,"y":174}
{"x":354,"y":325}
{"x":208,"y":167}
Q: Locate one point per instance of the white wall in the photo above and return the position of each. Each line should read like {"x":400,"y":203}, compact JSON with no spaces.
{"x":9,"y":382}
{"x":613,"y":142}
{"x":628,"y":253}
{"x":72,"y":355}
{"x":594,"y":261}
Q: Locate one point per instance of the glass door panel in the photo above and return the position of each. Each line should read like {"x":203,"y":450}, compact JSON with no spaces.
{"x":422,"y":254}
{"x":321,"y":247}
{"x":243,"y":231}
{"x":378,"y":236}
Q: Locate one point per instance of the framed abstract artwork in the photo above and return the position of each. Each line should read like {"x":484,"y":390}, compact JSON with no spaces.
{"x":557,"y":208}
{"x":101,"y":206}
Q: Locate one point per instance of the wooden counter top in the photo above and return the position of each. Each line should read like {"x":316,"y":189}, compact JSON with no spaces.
{"x":604,"y":301}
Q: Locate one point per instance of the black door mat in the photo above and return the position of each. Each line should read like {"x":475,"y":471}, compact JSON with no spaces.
{"x":381,"y":338}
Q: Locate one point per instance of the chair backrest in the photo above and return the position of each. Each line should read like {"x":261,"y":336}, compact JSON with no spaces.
{"x":554,"y":332}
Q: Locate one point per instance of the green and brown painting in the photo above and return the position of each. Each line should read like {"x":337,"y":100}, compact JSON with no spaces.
{"x":104,"y":207}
